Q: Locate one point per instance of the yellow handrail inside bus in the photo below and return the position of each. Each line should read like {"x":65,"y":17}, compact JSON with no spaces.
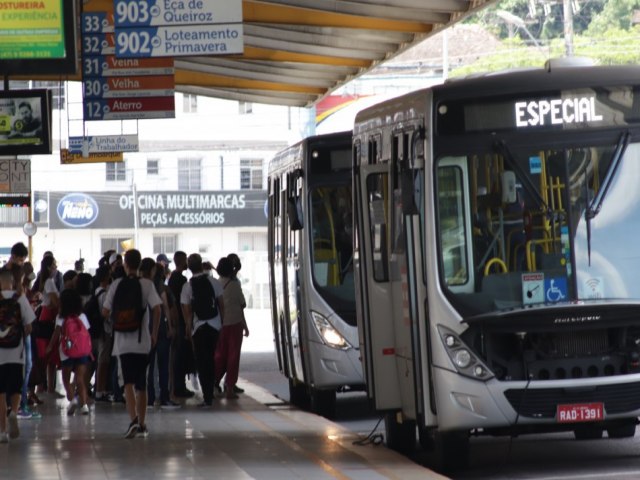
{"x":497,"y":261}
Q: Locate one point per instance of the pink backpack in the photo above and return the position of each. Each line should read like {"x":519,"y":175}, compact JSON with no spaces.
{"x":75,"y":339}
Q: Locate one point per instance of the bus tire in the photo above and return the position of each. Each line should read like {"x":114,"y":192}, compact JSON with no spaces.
{"x":623,"y":430}
{"x":453,"y":450}
{"x":323,"y":402}
{"x":298,"y":395}
{"x":588,"y":432}
{"x":400,"y":437}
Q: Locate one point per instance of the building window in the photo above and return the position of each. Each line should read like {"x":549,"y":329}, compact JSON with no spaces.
{"x":118,"y":244}
{"x":251,"y":174}
{"x":116,"y":171}
{"x":165,"y":244}
{"x":189,"y":103}
{"x":153,"y":167}
{"x":189,"y":174}
{"x":252,"y":242}
{"x":245,"y":108}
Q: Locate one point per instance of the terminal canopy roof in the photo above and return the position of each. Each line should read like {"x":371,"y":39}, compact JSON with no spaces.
{"x":298,"y":51}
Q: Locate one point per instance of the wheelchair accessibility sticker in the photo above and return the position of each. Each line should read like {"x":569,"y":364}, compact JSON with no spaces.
{"x":555,"y":289}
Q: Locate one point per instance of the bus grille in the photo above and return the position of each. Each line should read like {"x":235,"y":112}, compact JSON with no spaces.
{"x":543,"y":402}
{"x":574,"y":344}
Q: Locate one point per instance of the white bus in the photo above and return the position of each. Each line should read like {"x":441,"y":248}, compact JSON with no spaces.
{"x":311,"y":270}
{"x":498,"y":256}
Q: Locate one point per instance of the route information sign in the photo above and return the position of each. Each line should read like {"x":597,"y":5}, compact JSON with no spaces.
{"x":181,"y":40}
{"x":171,"y":28}
{"x":149,"y":13}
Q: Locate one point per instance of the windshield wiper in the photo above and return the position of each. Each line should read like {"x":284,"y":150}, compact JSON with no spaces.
{"x":595,"y":205}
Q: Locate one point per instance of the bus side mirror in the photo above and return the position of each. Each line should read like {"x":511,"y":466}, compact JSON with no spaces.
{"x":294,"y":213}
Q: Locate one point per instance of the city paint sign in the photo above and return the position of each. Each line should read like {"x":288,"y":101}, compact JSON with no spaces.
{"x":176,"y":41}
{"x":149,"y":13}
{"x":103,"y":143}
{"x":15,"y":176}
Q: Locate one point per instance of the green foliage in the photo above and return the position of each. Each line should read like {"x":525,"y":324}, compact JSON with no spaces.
{"x":616,"y":14}
{"x":607,"y":37}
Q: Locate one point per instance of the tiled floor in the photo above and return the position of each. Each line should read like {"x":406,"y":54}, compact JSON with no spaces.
{"x":253,"y":437}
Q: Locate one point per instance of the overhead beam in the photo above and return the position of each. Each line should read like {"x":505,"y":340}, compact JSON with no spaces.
{"x":254,"y":11}
{"x":258,"y":53}
{"x":185,"y":77}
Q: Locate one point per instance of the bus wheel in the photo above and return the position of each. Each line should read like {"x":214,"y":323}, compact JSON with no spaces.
{"x":623,"y":430}
{"x":453,"y":450}
{"x":588,"y":433}
{"x":298,"y":395}
{"x":323,"y":402}
{"x":400,"y":437}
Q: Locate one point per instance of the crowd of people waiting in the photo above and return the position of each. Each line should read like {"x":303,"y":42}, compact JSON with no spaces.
{"x":131,"y":333}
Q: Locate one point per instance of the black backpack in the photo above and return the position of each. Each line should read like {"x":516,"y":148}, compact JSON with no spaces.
{"x":127,"y":311}
{"x":94,"y":314}
{"x":203,"y":298}
{"x":10,"y":322}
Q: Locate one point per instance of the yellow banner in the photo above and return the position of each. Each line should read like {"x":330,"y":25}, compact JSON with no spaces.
{"x":66,"y":157}
{"x":31,"y":29}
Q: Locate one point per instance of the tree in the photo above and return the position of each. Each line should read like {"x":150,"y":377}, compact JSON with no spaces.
{"x":616,"y":14}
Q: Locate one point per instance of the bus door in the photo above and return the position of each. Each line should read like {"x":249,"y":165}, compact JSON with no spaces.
{"x":406,"y":273}
{"x":412,"y":184}
{"x":375,"y":295}
{"x":275,"y":270}
{"x":294,"y":231}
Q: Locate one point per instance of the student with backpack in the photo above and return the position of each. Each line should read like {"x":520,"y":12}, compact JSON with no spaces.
{"x":203,"y":310}
{"x":16,"y":317}
{"x":71,"y":336}
{"x":126,"y":302}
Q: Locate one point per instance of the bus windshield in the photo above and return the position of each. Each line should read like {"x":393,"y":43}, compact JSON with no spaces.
{"x":331,"y":243}
{"x":521,"y":226}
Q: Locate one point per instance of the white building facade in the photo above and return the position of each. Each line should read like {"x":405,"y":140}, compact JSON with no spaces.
{"x":197,"y":184}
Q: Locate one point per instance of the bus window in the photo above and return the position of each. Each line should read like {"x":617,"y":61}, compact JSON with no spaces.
{"x":377,"y":195}
{"x":452,"y":225}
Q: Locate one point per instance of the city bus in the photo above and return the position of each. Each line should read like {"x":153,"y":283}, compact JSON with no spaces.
{"x":311,"y":270}
{"x":497,"y":260}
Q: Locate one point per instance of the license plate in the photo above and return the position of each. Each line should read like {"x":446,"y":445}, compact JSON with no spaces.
{"x":580,"y":412}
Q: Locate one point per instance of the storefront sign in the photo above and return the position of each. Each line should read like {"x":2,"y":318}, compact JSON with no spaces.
{"x":115,"y":210}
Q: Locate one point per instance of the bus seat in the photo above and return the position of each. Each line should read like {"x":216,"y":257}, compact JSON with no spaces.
{"x":505,"y":289}
{"x":551,"y":261}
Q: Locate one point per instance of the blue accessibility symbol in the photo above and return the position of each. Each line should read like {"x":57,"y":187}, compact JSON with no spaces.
{"x":555,"y":289}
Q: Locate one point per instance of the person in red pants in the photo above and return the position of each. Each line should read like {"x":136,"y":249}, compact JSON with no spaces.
{"x":227,"y":355}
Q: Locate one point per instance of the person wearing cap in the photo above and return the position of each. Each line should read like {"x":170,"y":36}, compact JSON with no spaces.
{"x":164,"y":260}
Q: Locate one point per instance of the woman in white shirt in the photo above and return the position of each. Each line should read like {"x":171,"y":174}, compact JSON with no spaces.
{"x":46,"y":321}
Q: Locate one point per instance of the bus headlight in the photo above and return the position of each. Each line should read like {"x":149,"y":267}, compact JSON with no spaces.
{"x":462,"y":357}
{"x":328,"y":333}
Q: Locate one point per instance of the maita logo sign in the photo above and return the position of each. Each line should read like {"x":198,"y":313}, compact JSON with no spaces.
{"x":77,"y":210}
